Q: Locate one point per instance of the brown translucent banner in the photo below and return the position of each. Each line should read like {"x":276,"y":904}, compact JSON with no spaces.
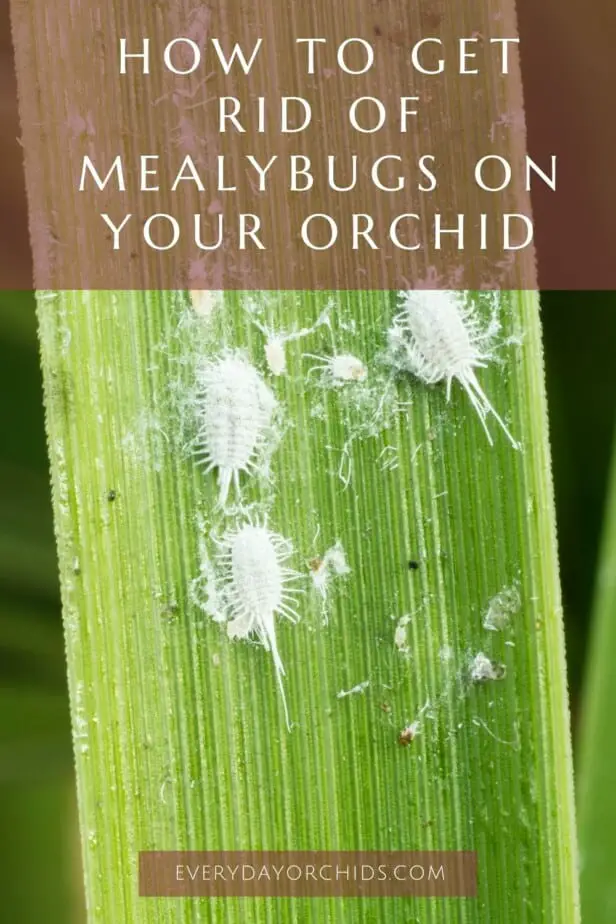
{"x":307,"y":873}
{"x":281,"y":145}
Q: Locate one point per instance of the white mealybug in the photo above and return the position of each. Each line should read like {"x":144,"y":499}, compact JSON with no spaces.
{"x":256,"y":588}
{"x":205,"y":302}
{"x":235,"y":410}
{"x":275,"y":355}
{"x":275,"y":341}
{"x":339,"y":368}
{"x":439,"y":338}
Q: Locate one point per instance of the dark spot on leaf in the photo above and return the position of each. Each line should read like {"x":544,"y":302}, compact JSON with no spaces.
{"x":406,"y":736}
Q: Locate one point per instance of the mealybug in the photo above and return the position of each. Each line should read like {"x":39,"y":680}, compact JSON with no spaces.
{"x":235,"y":411}
{"x":439,"y":338}
{"x":205,"y":302}
{"x":275,"y":355}
{"x":275,"y":341}
{"x":339,"y":368}
{"x":256,"y":588}
{"x":274,"y":349}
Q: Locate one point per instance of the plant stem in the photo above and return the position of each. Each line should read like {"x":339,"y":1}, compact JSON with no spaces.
{"x":179,"y":732}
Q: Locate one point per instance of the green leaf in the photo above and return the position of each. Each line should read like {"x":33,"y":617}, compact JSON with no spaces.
{"x":180,"y":732}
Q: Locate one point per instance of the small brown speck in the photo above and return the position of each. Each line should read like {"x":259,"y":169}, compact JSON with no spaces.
{"x":406,"y":736}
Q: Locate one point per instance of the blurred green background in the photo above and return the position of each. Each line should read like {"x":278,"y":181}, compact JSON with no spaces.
{"x":37,"y":812}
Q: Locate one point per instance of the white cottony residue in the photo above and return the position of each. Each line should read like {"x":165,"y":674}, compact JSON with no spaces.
{"x":501,"y":608}
{"x":414,"y":728}
{"x":483,"y":669}
{"x":400,"y":635}
{"x":481,"y":723}
{"x":332,"y":564}
{"x":276,"y":340}
{"x":476,"y":670}
{"x":204,"y":590}
{"x":359,"y":688}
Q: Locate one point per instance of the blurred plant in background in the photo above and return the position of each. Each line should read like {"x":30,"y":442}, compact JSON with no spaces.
{"x":38,"y":848}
